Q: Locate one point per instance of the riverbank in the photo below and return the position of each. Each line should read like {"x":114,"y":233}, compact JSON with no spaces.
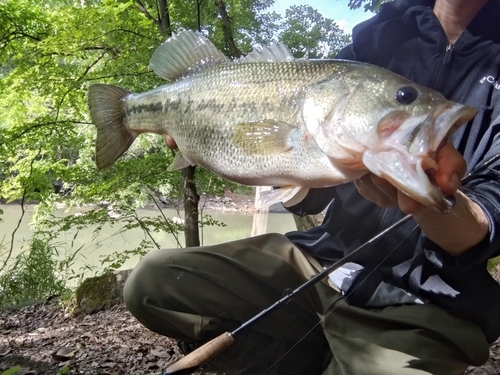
{"x":230,"y":202}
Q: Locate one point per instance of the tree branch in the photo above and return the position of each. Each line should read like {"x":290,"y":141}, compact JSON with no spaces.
{"x":35,"y":126}
{"x":146,"y":230}
{"x":91,"y":65}
{"x":144,"y":11}
{"x":167,"y":222}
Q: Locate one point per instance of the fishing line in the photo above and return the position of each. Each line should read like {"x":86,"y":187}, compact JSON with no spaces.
{"x":342,"y":300}
{"x":335,"y":305}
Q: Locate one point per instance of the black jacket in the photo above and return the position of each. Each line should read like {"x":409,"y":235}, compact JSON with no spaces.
{"x":406,"y":37}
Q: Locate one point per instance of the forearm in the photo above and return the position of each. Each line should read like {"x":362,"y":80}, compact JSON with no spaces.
{"x":457,"y":231}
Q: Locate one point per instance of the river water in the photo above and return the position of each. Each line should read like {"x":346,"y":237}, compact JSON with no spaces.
{"x":93,"y":248}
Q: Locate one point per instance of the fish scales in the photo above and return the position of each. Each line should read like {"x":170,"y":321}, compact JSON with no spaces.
{"x":203,"y":119}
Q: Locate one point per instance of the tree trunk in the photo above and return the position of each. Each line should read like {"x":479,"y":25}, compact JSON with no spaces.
{"x":191,"y":213}
{"x":164,"y":18}
{"x":227,"y":29}
{"x":198,"y":13}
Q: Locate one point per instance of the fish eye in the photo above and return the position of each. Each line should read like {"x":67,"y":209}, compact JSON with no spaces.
{"x":406,"y":95}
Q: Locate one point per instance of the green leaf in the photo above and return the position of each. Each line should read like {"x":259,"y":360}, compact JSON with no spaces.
{"x":63,"y":371}
{"x":12,"y":370}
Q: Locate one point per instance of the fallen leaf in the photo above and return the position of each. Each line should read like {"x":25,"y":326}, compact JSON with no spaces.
{"x":5,"y":353}
{"x":63,"y":354}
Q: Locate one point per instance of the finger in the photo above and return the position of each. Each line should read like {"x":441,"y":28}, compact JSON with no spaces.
{"x":362,"y":189}
{"x":451,"y":169}
{"x":369,"y":190}
{"x":409,"y":205}
{"x":390,"y":192}
{"x":406,"y":204}
{"x":170,"y":142}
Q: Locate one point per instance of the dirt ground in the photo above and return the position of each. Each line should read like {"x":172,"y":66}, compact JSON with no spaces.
{"x":46,"y":339}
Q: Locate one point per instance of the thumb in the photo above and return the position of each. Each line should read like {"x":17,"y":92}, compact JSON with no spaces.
{"x":170,"y":142}
{"x":451,"y":169}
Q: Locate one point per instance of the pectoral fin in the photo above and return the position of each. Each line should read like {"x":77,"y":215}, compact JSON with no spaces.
{"x":179,"y":162}
{"x":266,"y":137}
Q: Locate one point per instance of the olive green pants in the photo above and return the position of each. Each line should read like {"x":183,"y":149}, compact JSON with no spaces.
{"x":195,"y":294}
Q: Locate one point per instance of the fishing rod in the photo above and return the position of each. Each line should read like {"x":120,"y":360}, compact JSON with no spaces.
{"x":213,"y":348}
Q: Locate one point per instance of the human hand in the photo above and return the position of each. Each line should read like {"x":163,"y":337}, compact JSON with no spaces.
{"x":451,"y":169}
{"x":456,"y":233}
{"x":170,"y":142}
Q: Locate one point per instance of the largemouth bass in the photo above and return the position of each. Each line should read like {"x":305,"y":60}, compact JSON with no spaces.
{"x":270,"y":120}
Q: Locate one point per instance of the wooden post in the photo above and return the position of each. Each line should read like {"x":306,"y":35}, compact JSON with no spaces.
{"x":260,"y":217}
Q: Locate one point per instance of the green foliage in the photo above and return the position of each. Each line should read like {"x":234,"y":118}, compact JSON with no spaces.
{"x":35,"y":274}
{"x":51,"y":50}
{"x":308,"y":33}
{"x":493,"y":263}
{"x":117,"y":259}
{"x":53,"y":54}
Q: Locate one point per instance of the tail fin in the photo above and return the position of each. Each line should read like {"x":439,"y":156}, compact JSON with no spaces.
{"x":106,"y":111}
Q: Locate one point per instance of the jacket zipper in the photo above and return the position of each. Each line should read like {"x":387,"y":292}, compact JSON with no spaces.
{"x":448,"y":52}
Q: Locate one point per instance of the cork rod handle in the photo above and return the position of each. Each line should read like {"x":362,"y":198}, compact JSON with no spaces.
{"x":203,"y":354}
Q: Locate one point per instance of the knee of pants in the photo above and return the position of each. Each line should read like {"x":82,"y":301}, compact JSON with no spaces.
{"x":145,"y":279}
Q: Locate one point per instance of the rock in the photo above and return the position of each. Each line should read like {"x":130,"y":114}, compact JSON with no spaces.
{"x":101,"y":292}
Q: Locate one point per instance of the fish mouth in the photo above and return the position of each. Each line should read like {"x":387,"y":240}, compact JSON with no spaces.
{"x":407,"y":157}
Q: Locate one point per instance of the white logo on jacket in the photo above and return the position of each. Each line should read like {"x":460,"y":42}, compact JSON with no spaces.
{"x":491,"y":80}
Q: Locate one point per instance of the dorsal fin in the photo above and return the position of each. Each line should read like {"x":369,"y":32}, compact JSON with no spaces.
{"x":184,"y":52}
{"x":276,"y":52}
